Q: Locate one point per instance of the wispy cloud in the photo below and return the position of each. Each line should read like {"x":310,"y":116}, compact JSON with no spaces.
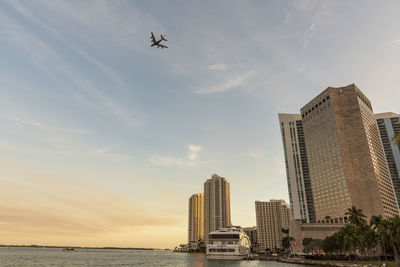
{"x":103,"y":23}
{"x":288,"y":17}
{"x":308,"y":34}
{"x":58,"y":68}
{"x":304,"y":4}
{"x":22,"y":122}
{"x":107,"y":152}
{"x":395,"y":42}
{"x":62,"y":208}
{"x":230,"y":83}
{"x":190,"y":160}
{"x":258,"y":154}
{"x":167,"y":161}
{"x":218,"y":66}
{"x":101,"y":65}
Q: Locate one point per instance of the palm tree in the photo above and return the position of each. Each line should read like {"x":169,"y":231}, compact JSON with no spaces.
{"x":356,"y":217}
{"x":350,"y":238}
{"x":377,"y":223}
{"x":393,"y":231}
{"x":396,"y":138}
{"x":369,"y":239}
{"x":389,"y":232}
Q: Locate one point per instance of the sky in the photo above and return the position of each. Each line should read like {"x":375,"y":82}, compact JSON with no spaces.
{"x":103,"y":138}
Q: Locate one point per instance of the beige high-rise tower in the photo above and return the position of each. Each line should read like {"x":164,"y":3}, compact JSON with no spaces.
{"x":217,"y":207}
{"x":271,"y":217}
{"x":346,"y":159}
{"x":196,"y":220}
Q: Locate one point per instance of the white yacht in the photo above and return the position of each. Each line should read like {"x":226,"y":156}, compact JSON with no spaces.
{"x":229,"y":243}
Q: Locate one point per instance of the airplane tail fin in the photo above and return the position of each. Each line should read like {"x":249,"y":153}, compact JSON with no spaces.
{"x":163,"y":37}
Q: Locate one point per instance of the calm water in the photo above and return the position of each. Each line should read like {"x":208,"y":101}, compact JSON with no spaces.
{"x":103,"y":257}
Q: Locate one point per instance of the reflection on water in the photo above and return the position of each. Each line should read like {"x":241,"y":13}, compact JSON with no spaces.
{"x":114,"y":257}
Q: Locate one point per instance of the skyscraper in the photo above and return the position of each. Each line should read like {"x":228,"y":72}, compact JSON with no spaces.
{"x":389,"y":125}
{"x":217,"y":207}
{"x":345,"y":155}
{"x":271,"y":217}
{"x":196,"y":220}
{"x":298,"y":177}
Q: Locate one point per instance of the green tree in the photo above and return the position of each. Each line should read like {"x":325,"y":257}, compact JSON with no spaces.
{"x":356,"y":217}
{"x":351,"y":238}
{"x":377,"y":224}
{"x":286,"y":242}
{"x":369,"y":239}
{"x":393,"y":232}
{"x":329,"y":244}
{"x":388,"y":231}
{"x":306,"y":244}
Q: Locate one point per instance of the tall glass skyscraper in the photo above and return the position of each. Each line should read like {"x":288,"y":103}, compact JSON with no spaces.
{"x":297,"y":172}
{"x":389,"y":125}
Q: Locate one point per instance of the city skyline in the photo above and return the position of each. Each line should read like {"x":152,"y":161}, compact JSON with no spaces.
{"x":104,"y":139}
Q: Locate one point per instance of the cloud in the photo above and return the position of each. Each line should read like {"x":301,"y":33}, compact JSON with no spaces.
{"x":104,"y":68}
{"x":395,"y":42}
{"x":22,"y":122}
{"x":226,"y":85}
{"x":304,"y":4}
{"x":258,"y":154}
{"x":166,"y":161}
{"x":103,"y":24}
{"x":193,"y":151}
{"x":106,"y":152}
{"x":218,"y":66}
{"x":58,"y":68}
{"x":191,"y":159}
{"x":308,"y":34}
{"x":37,"y":204}
{"x":288,"y":17}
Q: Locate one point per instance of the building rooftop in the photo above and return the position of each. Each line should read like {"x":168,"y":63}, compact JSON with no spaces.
{"x":386,"y":115}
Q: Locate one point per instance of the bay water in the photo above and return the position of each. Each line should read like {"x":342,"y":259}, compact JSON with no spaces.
{"x":28,"y":257}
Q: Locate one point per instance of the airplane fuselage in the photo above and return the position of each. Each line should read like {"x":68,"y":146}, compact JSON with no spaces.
{"x":157,"y":43}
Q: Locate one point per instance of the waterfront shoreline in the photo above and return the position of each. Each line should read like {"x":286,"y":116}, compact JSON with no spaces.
{"x":322,"y":263}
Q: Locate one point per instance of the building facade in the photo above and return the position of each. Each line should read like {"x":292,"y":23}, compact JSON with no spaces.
{"x":346,"y":160}
{"x":196,"y":218}
{"x":272,"y":217}
{"x":297,"y":172}
{"x":299,"y":231}
{"x":217,"y":207}
{"x":251,"y":232}
{"x":389,"y":125}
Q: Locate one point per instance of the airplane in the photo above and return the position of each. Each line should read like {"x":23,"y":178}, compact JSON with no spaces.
{"x":157,"y":43}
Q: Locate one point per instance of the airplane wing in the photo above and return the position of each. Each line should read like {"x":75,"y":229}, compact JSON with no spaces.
{"x":162,"y":46}
{"x":152,"y":37}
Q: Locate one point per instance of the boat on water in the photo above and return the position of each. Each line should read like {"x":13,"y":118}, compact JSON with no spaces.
{"x":229,"y":243}
{"x":69,"y":249}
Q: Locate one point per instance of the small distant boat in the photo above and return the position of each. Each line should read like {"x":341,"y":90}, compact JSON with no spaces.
{"x":69,"y":249}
